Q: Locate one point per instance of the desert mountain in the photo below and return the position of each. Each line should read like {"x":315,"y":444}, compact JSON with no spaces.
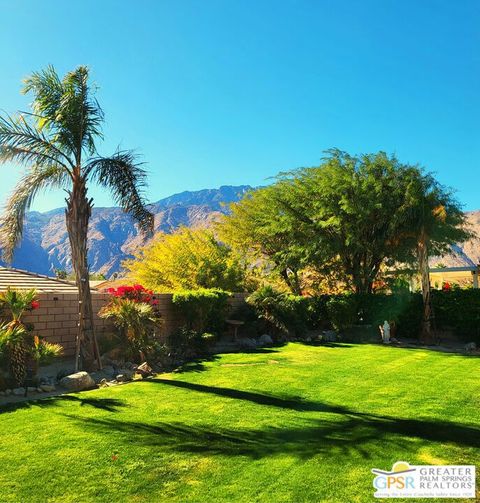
{"x":114,"y":236}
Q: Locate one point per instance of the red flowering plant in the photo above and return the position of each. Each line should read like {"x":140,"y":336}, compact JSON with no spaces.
{"x":446,"y":287}
{"x":132,"y":311}
{"x":137,"y":293}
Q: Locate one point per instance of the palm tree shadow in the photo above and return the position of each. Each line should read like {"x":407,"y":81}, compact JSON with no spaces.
{"x":348,"y":434}
{"x":107,"y":404}
{"x":338,"y":430}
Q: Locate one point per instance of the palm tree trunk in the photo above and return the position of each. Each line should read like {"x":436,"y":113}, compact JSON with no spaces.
{"x":78,"y":212}
{"x":427,"y":332}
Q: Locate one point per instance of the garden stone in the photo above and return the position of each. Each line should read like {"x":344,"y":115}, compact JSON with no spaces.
{"x":47,"y":388}
{"x":31,"y":389}
{"x":127,"y":374}
{"x":2,"y":393}
{"x":265,"y":340}
{"x":8,"y":391}
{"x":247,"y":343}
{"x":78,"y":382}
{"x":329,"y":336}
{"x":470,"y":347}
{"x":144,"y":370}
{"x":18,"y":391}
{"x":108,"y":369}
{"x":39,"y":390}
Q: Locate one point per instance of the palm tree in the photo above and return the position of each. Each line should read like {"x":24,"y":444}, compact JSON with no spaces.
{"x":55,"y":143}
{"x":436,"y":222}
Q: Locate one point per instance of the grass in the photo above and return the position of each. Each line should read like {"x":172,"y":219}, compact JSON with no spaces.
{"x":298,"y":423}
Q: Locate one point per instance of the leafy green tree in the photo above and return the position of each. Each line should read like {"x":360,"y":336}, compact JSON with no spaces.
{"x":186,"y":259}
{"x":261,"y":232}
{"x":349,"y":215}
{"x":56,"y":144}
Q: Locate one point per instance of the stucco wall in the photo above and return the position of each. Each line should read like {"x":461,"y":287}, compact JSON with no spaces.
{"x":57,"y":317}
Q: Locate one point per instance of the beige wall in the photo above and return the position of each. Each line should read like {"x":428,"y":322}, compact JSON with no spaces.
{"x":57,"y":317}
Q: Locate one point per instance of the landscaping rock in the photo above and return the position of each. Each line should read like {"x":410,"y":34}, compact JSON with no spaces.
{"x":8,"y":391}
{"x":247,"y":343}
{"x":144,"y":370}
{"x":78,"y":382}
{"x":265,"y":340}
{"x":329,"y":336}
{"x":18,"y":391}
{"x":39,"y":390}
{"x":108,"y":370}
{"x":123,"y":377}
{"x":470,"y":347}
{"x":127,"y":374}
{"x":47,"y":388}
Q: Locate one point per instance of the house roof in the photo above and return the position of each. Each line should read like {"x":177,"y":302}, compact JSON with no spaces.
{"x":25,"y":280}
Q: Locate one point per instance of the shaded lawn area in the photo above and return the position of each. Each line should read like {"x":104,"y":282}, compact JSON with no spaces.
{"x":298,"y":423}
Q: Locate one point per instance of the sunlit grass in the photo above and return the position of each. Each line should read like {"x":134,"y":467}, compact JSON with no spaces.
{"x":298,"y":423}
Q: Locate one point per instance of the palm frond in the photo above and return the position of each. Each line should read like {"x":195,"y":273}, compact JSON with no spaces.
{"x":11,"y":223}
{"x":80,"y":111}
{"x":66,"y":108}
{"x":47,"y":89}
{"x":23,"y":143}
{"x":126,"y":179}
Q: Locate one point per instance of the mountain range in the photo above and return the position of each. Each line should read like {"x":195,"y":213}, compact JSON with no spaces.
{"x":114,"y":236}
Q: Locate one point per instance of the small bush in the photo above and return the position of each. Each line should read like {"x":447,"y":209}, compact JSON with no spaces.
{"x":342,"y":311}
{"x":136,"y":322}
{"x":45,"y":352}
{"x":203,"y":310}
{"x":458,"y":310}
{"x":187,"y":343}
{"x":285,"y":312}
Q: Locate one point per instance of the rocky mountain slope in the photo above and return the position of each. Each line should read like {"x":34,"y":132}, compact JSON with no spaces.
{"x":114,"y":236}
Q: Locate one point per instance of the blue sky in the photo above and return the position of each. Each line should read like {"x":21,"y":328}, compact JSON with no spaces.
{"x":233,"y":91}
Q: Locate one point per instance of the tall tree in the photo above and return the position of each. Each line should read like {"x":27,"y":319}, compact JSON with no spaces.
{"x":56,"y":145}
{"x":351,"y":214}
{"x":263,"y":234}
{"x":434,"y":222}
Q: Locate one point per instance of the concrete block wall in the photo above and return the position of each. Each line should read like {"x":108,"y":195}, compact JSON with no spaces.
{"x":57,"y":317}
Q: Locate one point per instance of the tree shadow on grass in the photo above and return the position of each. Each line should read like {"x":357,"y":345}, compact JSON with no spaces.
{"x":107,"y":404}
{"x":284,"y":402}
{"x":347,"y":432}
{"x":197,"y":365}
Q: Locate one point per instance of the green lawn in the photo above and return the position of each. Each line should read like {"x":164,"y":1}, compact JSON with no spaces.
{"x":298,"y":423}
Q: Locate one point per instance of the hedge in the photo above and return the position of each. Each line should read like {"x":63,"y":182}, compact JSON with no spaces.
{"x":455,"y":310}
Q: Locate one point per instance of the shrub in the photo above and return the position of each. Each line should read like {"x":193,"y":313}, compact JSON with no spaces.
{"x":44,"y":352}
{"x":458,"y":310}
{"x":203,"y":310}
{"x":317,"y":313}
{"x":285,"y":312}
{"x":136,"y":322}
{"x":342,"y":311}
{"x":187,"y":343}
{"x":404,"y":308}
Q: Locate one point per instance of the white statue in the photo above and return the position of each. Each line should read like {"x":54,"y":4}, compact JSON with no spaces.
{"x":385,"y":331}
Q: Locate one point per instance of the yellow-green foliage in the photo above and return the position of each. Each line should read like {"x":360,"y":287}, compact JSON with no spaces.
{"x":187,"y":259}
